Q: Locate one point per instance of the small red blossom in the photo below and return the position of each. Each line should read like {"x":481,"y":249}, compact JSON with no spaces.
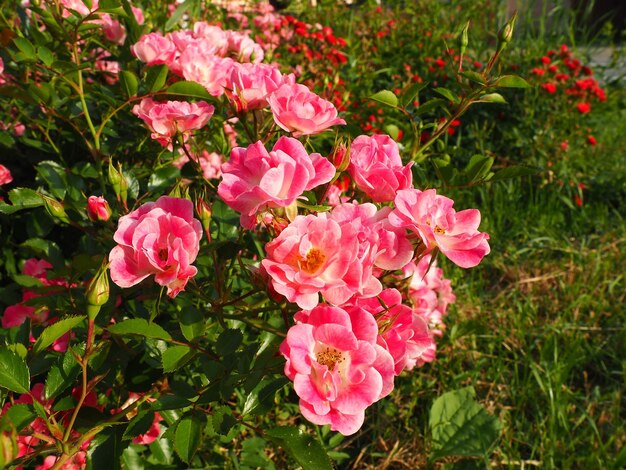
{"x":583,"y":108}
{"x":591,"y":140}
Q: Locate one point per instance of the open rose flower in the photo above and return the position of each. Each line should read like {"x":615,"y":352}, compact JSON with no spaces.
{"x":248,"y":85}
{"x":432,"y":217}
{"x":210,"y":71}
{"x":154,"y":49}
{"x":376,"y":167}
{"x":298,"y":110}
{"x":160,"y":238}
{"x":336,"y":366}
{"x":255,"y":179}
{"x":169,"y":118}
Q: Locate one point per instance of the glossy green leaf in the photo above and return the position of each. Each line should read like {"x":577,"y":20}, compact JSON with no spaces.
{"x":228,"y":341}
{"x":192,"y":323}
{"x":492,"y":98}
{"x":140,"y":424}
{"x":188,"y":436}
{"x":261,"y":398}
{"x":25,"y":46}
{"x":478,"y":168}
{"x":55,"y":331}
{"x":139,"y":327}
{"x":45,"y":55}
{"x":385,"y":97}
{"x":474,"y":77}
{"x":189,"y":89}
{"x":156,"y":76}
{"x":511,"y":81}
{"x":175,"y":357}
{"x":447,"y":94}
{"x":163,"y":178}
{"x":21,"y":198}
{"x":460,"y":426}
{"x":14,"y":374}
{"x":305,"y":450}
{"x":129,"y":83}
{"x":61,"y":375}
{"x":411,"y":93}
{"x":20,"y":415}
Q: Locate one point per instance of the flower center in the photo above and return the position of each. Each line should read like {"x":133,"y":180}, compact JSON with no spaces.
{"x":314,"y":259}
{"x":162,"y":254}
{"x":439,"y":230}
{"x":329,"y":357}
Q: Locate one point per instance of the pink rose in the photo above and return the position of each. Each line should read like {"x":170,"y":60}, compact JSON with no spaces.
{"x":314,"y":255}
{"x":243,"y":48}
{"x":5,"y":175}
{"x":169,"y":118}
{"x":248,"y":85}
{"x":298,"y":110}
{"x":153,"y":49}
{"x":336,"y":366}
{"x":160,"y":238}
{"x":113,"y":29}
{"x":215,"y":38}
{"x":208,"y":70}
{"x":210,"y":163}
{"x":78,"y":6}
{"x":98,"y":209}
{"x":255,"y":179}
{"x":376,"y":167}
{"x":439,"y":226}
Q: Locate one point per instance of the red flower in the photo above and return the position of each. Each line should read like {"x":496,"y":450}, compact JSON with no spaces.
{"x":591,"y":140}
{"x":537,"y":71}
{"x":583,"y":108}
{"x":549,"y":87}
{"x":546,"y":60}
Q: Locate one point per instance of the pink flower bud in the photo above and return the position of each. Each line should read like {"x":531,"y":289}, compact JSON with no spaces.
{"x":98,"y":209}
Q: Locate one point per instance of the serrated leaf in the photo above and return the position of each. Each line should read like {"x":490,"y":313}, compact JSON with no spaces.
{"x":411,"y":93}
{"x":222,"y":421}
{"x":460,"y":426}
{"x":192,"y":323}
{"x":21,"y":198}
{"x":228,"y":341}
{"x":61,"y":375}
{"x":492,"y":98}
{"x":385,"y":97}
{"x":262,"y":397}
{"x":25,"y":46}
{"x":170,"y":402}
{"x":163,"y":178}
{"x":304,"y":449}
{"x":449,"y":95}
{"x":514,"y":172}
{"x":175,"y":357}
{"x":129,"y":83}
{"x":45,"y":55}
{"x":20,"y":415}
{"x":14,"y":374}
{"x":55,"y":331}
{"x":188,"y":436}
{"x":139,"y":327}
{"x":156,"y":76}
{"x":140,"y":424}
{"x":430,"y":105}
{"x":53,"y":174}
{"x":474,"y":77}
{"x":478,"y":167}
{"x":511,"y":81}
{"x":189,"y":89}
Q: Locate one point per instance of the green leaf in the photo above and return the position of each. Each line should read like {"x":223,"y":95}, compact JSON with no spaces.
{"x":129,"y":83}
{"x":176,"y":357}
{"x":156,"y":76}
{"x":55,"y":331}
{"x":43,"y":248}
{"x":177,"y":16}
{"x":222,"y":422}
{"x":492,"y":98}
{"x":163,"y":178}
{"x":27,"y":281}
{"x":139,"y":327}
{"x":474,"y":77}
{"x":430,"y":105}
{"x":460,"y":426}
{"x":392,"y":130}
{"x":20,"y":415}
{"x":262,"y":397}
{"x":385,"y":97}
{"x":170,"y":402}
{"x":140,"y":424}
{"x":53,"y":174}
{"x":449,"y":95}
{"x":228,"y":341}
{"x":21,"y":198}
{"x":511,"y":81}
{"x":25,"y":46}
{"x":514,"y":172}
{"x":189,"y":89}
{"x":61,"y":375}
{"x":192,"y":323}
{"x":478,"y":168}
{"x":304,"y":449}
{"x":411,"y":93}
{"x":45,"y":55}
{"x":188,"y":436}
{"x":14,"y":373}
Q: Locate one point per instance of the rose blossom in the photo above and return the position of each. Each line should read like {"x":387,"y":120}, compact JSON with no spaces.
{"x":336,"y":366}
{"x":168,"y":118}
{"x":376,"y":167}
{"x":208,"y":70}
{"x":154,"y":49}
{"x":160,"y":238}
{"x":432,"y":217}
{"x":298,"y":110}
{"x":210,"y":163}
{"x":98,"y":209}
{"x":5,"y":175}
{"x":255,"y":179}
{"x":248,"y":85}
